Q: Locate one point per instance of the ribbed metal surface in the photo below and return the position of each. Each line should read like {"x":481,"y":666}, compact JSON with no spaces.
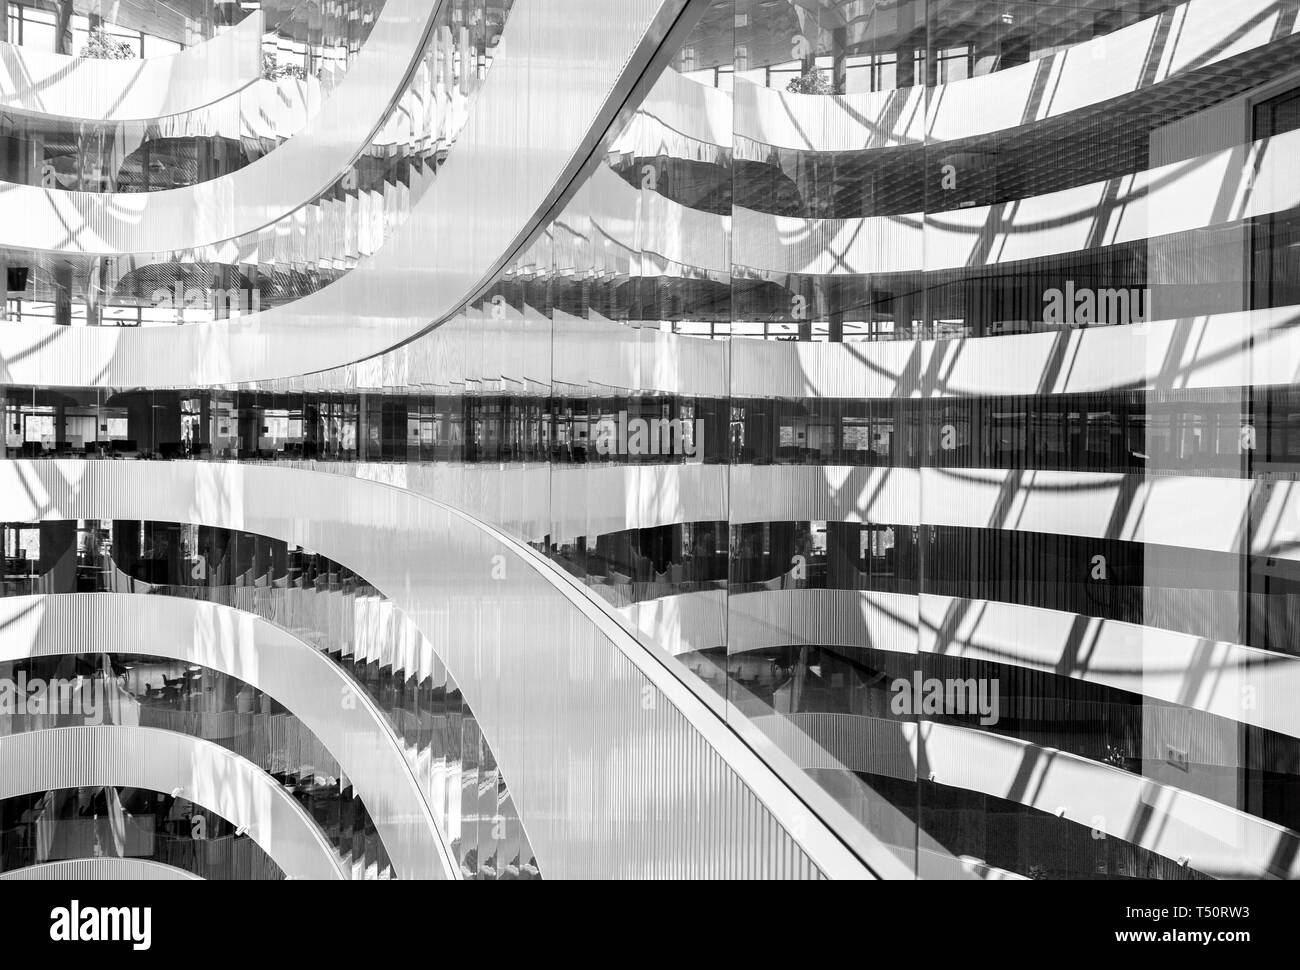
{"x":210,"y":776}
{"x":583,"y":352}
{"x":801,"y":493}
{"x":777,"y":368}
{"x":67,"y":86}
{"x":775,"y":618}
{"x":645,"y":223}
{"x":676,"y":624}
{"x":616,"y":769}
{"x":1191,"y":512}
{"x":677,"y":118}
{"x":103,"y":869}
{"x":874,"y":244}
{"x":244,"y":646}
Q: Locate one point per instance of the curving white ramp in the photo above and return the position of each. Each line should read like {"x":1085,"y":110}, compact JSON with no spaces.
{"x":87,"y":89}
{"x":162,"y":761}
{"x":251,"y":649}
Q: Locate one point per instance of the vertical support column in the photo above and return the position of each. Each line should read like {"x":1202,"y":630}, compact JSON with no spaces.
{"x":63,"y":294}
{"x":58,"y":559}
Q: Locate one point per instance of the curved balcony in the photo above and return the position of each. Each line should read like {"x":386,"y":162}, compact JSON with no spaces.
{"x":678,"y":144}
{"x":179,"y":148}
{"x":615,"y":232}
{"x":678,"y":118}
{"x":1162,"y":201}
{"x":162,"y":761}
{"x":68,"y":86}
{"x":1188,"y":512}
{"x":269,"y":659}
{"x":1177,"y":668}
{"x":1251,"y":348}
{"x":1188,"y":829}
{"x":89,"y":825}
{"x":1189,"y":37}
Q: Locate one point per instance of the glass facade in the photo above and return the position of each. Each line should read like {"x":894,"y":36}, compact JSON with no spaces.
{"x":914,"y":381}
